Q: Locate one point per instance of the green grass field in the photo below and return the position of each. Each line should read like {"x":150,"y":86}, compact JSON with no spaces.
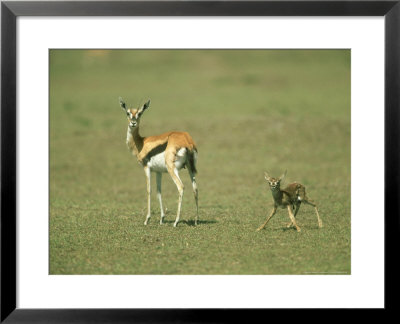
{"x":248,"y":111}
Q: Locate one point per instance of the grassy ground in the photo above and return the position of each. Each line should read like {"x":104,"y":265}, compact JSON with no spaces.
{"x":248,"y":111}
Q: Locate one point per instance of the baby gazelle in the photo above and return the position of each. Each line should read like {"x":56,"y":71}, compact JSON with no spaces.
{"x":291,"y":197}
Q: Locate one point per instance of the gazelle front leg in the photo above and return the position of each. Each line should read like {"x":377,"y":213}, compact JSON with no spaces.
{"x":296,"y":210}
{"x":270,"y":216}
{"x":289,"y":207}
{"x":147,"y":173}
{"x":158,"y":179}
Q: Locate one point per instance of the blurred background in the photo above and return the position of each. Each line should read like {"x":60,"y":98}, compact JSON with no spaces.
{"x":248,"y":111}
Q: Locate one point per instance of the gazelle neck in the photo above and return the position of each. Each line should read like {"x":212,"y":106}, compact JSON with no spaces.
{"x":134,"y":140}
{"x":277,"y":194}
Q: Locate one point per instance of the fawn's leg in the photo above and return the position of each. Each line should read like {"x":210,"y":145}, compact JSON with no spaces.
{"x":270,"y":216}
{"x":147,"y":173}
{"x":158,"y":180}
{"x":296,"y":210}
{"x":292,"y":218}
{"x":310,"y":202}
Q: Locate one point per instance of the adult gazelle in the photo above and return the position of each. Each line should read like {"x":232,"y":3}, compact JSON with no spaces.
{"x":165,"y":153}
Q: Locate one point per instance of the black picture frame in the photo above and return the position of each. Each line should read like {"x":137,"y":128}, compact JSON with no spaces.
{"x":10,"y":10}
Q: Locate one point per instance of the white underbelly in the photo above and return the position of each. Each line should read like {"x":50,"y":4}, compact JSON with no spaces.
{"x":157,"y":162}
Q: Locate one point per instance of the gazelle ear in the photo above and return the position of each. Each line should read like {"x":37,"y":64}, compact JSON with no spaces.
{"x":122,"y":103}
{"x":146,"y":105}
{"x":266,"y":176}
{"x":142,"y":109}
{"x":283,"y":176}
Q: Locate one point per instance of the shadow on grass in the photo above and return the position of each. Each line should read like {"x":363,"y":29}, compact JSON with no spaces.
{"x":191,"y":222}
{"x":292,"y":228}
{"x":286,"y":229}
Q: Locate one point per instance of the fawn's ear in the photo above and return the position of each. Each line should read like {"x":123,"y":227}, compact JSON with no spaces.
{"x":282,"y":177}
{"x":266,"y":176}
{"x":122,"y":103}
{"x":142,"y":109}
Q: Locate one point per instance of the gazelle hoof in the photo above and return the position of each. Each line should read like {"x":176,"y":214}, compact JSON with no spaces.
{"x":298,"y":229}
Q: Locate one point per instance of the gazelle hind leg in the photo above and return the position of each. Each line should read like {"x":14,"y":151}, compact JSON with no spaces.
{"x":292,"y":218}
{"x":147,"y":173}
{"x":179,"y":184}
{"x":158,"y":180}
{"x":311,"y":203}
{"x":195,"y":192}
{"x":269,"y":217}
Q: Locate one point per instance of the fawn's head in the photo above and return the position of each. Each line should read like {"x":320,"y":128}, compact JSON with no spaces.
{"x":133,"y":114}
{"x":274,"y":183}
